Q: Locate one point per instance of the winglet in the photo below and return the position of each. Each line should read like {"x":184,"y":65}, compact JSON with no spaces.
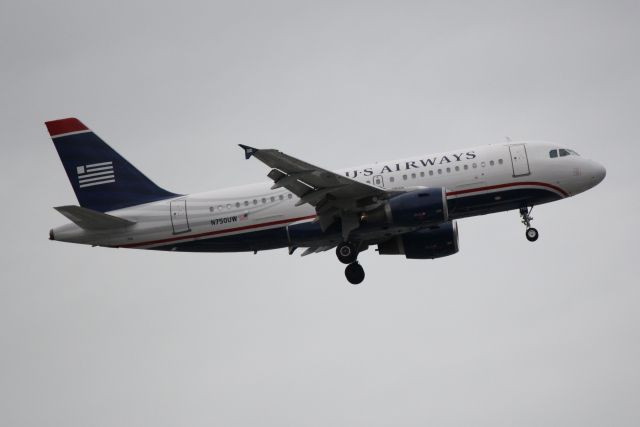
{"x":248,"y":151}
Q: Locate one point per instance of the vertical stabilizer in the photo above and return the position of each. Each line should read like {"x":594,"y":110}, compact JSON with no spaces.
{"x":102,"y":179}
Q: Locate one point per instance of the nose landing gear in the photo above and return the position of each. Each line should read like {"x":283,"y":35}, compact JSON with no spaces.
{"x":531,"y":233}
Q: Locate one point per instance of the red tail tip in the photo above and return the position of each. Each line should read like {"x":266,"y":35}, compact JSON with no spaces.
{"x":62,"y":126}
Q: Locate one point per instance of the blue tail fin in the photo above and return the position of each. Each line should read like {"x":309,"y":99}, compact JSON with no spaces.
{"x":101,"y":178}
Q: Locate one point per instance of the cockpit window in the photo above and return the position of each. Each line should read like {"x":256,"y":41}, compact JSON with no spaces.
{"x":562,"y":152}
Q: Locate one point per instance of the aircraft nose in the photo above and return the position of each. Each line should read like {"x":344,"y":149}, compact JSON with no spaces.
{"x":598,"y":172}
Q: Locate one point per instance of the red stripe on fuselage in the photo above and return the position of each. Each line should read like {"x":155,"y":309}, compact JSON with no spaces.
{"x":217,"y":232}
{"x":511,"y":184}
{"x":62,"y":126}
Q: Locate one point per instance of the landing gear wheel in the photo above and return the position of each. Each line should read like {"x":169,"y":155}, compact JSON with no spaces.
{"x":346,"y":252}
{"x":532,"y":234}
{"x":525,"y":215}
{"x":354,"y":273}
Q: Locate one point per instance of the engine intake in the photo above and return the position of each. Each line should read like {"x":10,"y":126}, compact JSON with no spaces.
{"x":429,"y":243}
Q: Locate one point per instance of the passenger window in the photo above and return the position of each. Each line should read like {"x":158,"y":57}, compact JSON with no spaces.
{"x":457,"y":168}
{"x":500,"y":161}
{"x":448,"y":170}
{"x":273,"y":199}
{"x":430,"y":173}
{"x":491,"y":163}
{"x":413,"y":176}
{"x":392,"y":179}
{"x":553,"y":154}
{"x":219,"y":207}
{"x":289,"y":195}
{"x":439,"y":171}
{"x":211,"y":209}
{"x":281,"y":197}
{"x":563,"y":152}
{"x":237,"y":204}
{"x":264,"y":200}
{"x":228,"y":205}
{"x":422,"y":174}
{"x":483,"y":164}
{"x":246,"y":203}
{"x":404,"y":177}
{"x":475,"y":165}
{"x":255,"y":202}
{"x":466,"y":167}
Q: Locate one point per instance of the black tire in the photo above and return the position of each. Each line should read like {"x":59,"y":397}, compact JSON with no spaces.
{"x":354,"y":273}
{"x":346,"y":253}
{"x":532,"y":234}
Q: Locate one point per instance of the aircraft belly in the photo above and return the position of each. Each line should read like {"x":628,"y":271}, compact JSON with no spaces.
{"x":500,"y":201}
{"x":261,"y":240}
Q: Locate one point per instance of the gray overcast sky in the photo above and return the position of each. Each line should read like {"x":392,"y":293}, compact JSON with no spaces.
{"x":504,"y":333}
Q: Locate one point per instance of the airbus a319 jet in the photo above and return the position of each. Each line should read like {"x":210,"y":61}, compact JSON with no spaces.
{"x":403,"y":207}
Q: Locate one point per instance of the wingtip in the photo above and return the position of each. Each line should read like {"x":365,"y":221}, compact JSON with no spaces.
{"x":248,"y":151}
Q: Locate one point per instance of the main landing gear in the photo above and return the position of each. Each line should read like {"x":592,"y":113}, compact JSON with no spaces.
{"x":347,"y":253}
{"x":525,"y":214}
{"x":354,"y":273}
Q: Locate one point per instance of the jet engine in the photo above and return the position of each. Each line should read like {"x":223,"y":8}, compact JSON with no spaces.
{"x":428,"y":243}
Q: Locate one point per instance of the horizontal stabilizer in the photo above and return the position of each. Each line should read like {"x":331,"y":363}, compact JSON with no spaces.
{"x":92,"y":220}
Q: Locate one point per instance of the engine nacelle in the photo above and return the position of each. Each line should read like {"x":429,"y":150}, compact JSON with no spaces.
{"x":429,"y":243}
{"x":419,"y":208}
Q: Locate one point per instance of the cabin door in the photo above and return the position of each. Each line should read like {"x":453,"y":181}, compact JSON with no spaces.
{"x":179,"y":220}
{"x":519,"y":160}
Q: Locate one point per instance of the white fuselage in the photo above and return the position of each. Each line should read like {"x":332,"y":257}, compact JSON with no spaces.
{"x":478,"y":180}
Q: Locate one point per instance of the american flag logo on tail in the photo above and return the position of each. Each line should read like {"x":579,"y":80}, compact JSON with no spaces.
{"x":95,"y":174}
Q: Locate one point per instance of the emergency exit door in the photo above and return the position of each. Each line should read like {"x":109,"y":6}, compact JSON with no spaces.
{"x":519,"y":160}
{"x":179,"y":220}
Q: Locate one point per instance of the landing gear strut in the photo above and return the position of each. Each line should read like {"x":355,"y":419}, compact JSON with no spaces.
{"x":531,"y":233}
{"x":354,"y":273}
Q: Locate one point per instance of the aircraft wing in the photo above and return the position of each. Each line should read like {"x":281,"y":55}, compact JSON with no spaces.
{"x":332,"y":195}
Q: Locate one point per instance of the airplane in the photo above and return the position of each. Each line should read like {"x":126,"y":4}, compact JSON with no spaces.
{"x":403,"y":207}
